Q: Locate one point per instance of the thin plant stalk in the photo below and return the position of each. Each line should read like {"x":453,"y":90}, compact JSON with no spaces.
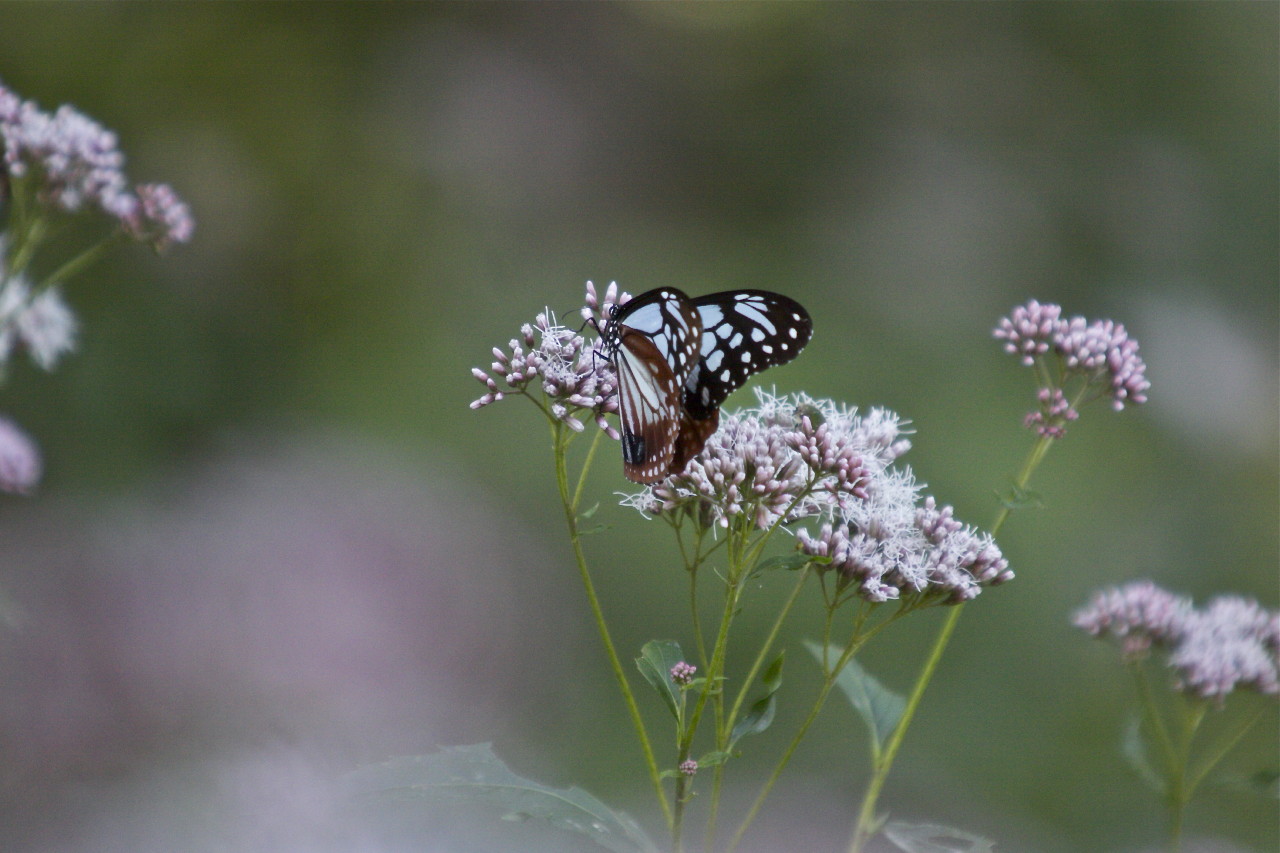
{"x":1180,"y":788}
{"x":856,"y":641}
{"x":748,"y":680}
{"x":868,"y":823}
{"x":82,"y":261}
{"x":715,"y":669}
{"x":570,"y":504}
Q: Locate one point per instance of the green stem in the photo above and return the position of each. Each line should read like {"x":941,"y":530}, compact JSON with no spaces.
{"x":81,"y":261}
{"x":1179,"y":793}
{"x":867,"y":824}
{"x":1029,"y":465}
{"x":712,"y":685}
{"x":750,"y":678}
{"x":26,"y":241}
{"x":1220,"y":751}
{"x":1155,"y":722}
{"x":768,"y":644}
{"x":856,"y":641}
{"x":571,"y":519}
{"x":582,"y":477}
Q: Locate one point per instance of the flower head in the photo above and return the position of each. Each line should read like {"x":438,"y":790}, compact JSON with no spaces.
{"x":1092,"y":360}
{"x":682,"y":673}
{"x":161,"y":217}
{"x":19,"y":459}
{"x":894,"y":544}
{"x":41,"y":323}
{"x":76,"y":162}
{"x":1140,"y":614}
{"x":793,"y":458}
{"x":770,"y":463}
{"x":1231,"y":642}
{"x":574,"y":377}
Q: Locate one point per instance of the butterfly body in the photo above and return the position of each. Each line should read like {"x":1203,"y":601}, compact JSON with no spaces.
{"x":677,"y":360}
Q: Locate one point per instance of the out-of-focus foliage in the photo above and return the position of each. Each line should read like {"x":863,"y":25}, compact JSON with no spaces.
{"x":274,"y":543}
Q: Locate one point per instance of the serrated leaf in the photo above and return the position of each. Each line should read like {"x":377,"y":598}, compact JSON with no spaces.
{"x":1133,"y":747}
{"x":879,"y":707}
{"x":474,"y":774}
{"x":931,"y":838}
{"x":760,"y":716}
{"x":655,"y":662}
{"x":787,"y":562}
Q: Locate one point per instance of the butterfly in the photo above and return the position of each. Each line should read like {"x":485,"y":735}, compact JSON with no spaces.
{"x":678,"y":358}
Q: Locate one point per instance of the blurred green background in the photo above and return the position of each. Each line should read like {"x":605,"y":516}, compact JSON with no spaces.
{"x":273,"y":541}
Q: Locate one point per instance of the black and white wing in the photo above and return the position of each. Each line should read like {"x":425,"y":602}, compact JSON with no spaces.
{"x":652,"y":342}
{"x":743,"y":332}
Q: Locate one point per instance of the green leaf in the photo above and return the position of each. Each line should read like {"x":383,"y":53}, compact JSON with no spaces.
{"x":789,"y":562}
{"x":760,"y":716}
{"x":711,"y":759}
{"x":595,"y":528}
{"x":473,"y":773}
{"x":1019,"y":498}
{"x":930,"y":838}
{"x":655,"y":662}
{"x":1133,"y":747}
{"x":586,"y":515}
{"x":879,"y":707}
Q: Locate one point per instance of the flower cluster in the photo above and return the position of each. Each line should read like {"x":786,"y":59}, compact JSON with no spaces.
{"x":788,"y":459}
{"x":40,"y":323}
{"x":785,"y":459}
{"x":1092,"y":359}
{"x":75,"y":162}
{"x":1231,"y":642}
{"x":575,"y":377}
{"x":793,"y":458}
{"x":19,"y":459}
{"x":894,"y":545}
{"x":59,"y":163}
{"x":682,"y":673}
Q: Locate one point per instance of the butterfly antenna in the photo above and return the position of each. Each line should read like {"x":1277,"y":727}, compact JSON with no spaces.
{"x":586,"y":321}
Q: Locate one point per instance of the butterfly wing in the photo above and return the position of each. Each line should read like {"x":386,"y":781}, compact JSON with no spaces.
{"x":648,"y":407}
{"x":743,"y":332}
{"x":654,"y":345}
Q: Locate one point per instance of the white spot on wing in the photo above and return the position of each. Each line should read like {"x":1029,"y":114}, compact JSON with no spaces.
{"x":755,"y":315}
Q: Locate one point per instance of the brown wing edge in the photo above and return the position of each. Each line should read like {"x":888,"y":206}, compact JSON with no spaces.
{"x":658,"y":437}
